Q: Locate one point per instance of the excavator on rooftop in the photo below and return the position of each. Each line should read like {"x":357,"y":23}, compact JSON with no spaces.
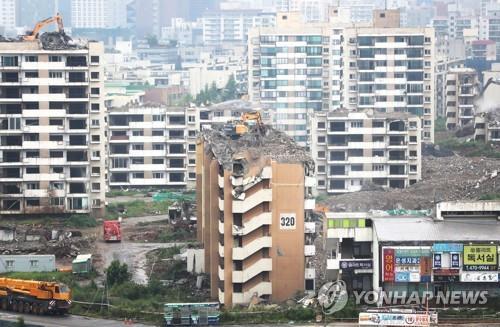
{"x":34,"y":34}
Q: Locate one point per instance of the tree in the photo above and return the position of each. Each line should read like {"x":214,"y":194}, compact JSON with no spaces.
{"x":230,"y":91}
{"x":152,"y":40}
{"x":117,"y":273}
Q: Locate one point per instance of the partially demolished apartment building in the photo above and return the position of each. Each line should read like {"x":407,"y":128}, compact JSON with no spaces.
{"x":487,"y":111}
{"x":365,"y":148}
{"x":52,"y":143}
{"x":255,"y":215}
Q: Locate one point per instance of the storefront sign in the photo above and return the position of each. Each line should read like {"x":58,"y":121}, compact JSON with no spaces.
{"x":407,"y":260}
{"x":446,"y":272}
{"x":447,"y":247}
{"x":479,"y":255}
{"x":388,"y":267}
{"x":479,"y":277}
{"x":402,"y":277}
{"x":455,"y":260}
{"x":396,"y":319}
{"x":479,"y":268}
{"x":356,"y":264}
{"x":415,"y":252}
{"x":446,"y":279}
{"x":436,"y":260}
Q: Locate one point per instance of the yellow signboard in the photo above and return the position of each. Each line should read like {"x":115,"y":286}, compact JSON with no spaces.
{"x":480,"y":255}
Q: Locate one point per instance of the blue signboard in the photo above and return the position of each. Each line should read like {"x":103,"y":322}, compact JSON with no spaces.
{"x":403,"y":276}
{"x":436,"y":260}
{"x":455,"y":260}
{"x":447,"y":247}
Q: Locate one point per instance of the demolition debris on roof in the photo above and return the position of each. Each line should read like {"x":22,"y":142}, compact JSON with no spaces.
{"x":60,"y":41}
{"x":258,"y":142}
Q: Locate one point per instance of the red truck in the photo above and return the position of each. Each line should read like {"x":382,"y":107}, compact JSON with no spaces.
{"x":112,"y":231}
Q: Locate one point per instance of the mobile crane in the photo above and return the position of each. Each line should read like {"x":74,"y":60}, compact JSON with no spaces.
{"x":30,"y":296}
{"x":33,"y":35}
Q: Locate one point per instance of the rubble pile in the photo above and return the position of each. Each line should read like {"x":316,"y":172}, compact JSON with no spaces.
{"x":268,"y":142}
{"x":40,"y":240}
{"x":443,"y":179}
{"x":60,"y":41}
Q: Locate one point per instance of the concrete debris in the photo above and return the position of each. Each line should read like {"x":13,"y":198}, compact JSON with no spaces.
{"x":444,"y":179}
{"x":60,"y":41}
{"x":254,"y":145}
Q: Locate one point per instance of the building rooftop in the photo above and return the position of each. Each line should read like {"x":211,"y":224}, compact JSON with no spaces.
{"x":427,"y":229}
{"x":46,"y":41}
{"x":255,"y":146}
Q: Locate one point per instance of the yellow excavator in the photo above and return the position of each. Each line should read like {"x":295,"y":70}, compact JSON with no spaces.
{"x":247,"y":119}
{"x":33,"y":35}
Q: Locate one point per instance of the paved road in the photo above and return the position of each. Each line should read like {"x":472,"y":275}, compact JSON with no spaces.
{"x":65,"y":321}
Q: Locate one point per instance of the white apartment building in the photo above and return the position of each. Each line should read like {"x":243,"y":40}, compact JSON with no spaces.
{"x":226,"y":26}
{"x":391,"y":69}
{"x":7,"y":14}
{"x":462,"y":86}
{"x":299,"y":69}
{"x":295,"y":69}
{"x":355,"y":149}
{"x":152,"y":146}
{"x":98,"y":13}
{"x":52,"y":143}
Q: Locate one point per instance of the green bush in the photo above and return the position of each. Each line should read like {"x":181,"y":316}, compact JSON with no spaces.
{"x":80,"y":221}
{"x":117,"y":273}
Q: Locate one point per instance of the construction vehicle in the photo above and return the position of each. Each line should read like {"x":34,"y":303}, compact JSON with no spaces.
{"x":33,"y":35}
{"x":490,"y":81}
{"x":239,"y":127}
{"x":30,"y":296}
{"x":112,"y":230}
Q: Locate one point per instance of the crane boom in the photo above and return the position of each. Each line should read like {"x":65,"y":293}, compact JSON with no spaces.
{"x":33,"y":35}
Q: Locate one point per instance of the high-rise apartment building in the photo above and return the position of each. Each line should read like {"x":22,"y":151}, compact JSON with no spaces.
{"x":295,"y":69}
{"x":52,"y":143}
{"x":7,"y":14}
{"x":356,"y":149}
{"x":390,"y":69}
{"x":299,"y":69}
{"x":254,"y":215}
{"x":224,"y":26}
{"x":99,"y":13}
{"x":152,"y":146}
{"x":462,"y":86}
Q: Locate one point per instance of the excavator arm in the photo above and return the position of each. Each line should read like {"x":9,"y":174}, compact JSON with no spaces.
{"x":41,"y":24}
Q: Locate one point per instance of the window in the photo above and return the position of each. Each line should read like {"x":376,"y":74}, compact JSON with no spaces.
{"x":356,"y":124}
{"x":137,"y":161}
{"x":192,"y":175}
{"x":95,"y":90}
{"x":94,"y":59}
{"x":31,"y":58}
{"x":96,"y":154}
{"x":94,"y":75}
{"x":157,"y":161}
{"x":95,"y":122}
{"x":33,"y":186}
{"x":158,"y":146}
{"x":378,"y":168}
{"x":33,"y":170}
{"x":9,"y":263}
{"x":96,"y":186}
{"x":158,"y":117}
{"x":158,"y":175}
{"x":32,"y":154}
{"x":56,"y":201}
{"x":56,"y":154}
{"x":55,"y":59}
{"x":137,"y":146}
{"x":137,"y":133}
{"x":192,"y":147}
{"x":94,"y":107}
{"x":157,"y":133}
{"x":138,"y":175}
{"x":96,"y":171}
{"x":55,"y":74}
{"x":31,"y":74}
{"x":34,"y":263}
{"x":57,"y":170}
{"x":96,"y":138}
{"x":56,"y":186}
{"x":96,"y":203}
{"x":55,"y":137}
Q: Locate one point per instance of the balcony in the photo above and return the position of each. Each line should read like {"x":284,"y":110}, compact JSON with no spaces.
{"x":264,"y":218}
{"x":221,"y":227}
{"x":358,"y":234}
{"x":309,"y":204}
{"x":263,"y":195}
{"x":220,"y":181}
{"x":220,"y":272}
{"x":221,"y":250}
{"x":309,"y":250}
{"x":241,"y":253}
{"x":221,"y":204}
{"x":264,"y":264}
{"x":263,"y":288}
